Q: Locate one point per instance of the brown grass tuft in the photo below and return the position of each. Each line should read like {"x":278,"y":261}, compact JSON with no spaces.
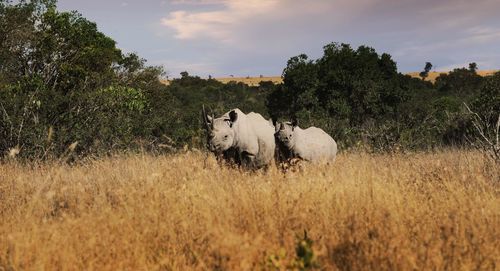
{"x":432,"y":211}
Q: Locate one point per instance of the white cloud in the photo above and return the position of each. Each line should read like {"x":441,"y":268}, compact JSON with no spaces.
{"x":219,"y":24}
{"x":196,"y":2}
{"x":189,"y":26}
{"x":234,"y":20}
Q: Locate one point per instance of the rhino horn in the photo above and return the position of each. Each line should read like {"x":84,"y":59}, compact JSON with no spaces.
{"x":206,"y":121}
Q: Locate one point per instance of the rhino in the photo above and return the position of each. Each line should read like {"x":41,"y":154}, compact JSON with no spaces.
{"x":247,"y":139}
{"x":230,"y":156}
{"x":311,"y":144}
{"x":282,"y":153}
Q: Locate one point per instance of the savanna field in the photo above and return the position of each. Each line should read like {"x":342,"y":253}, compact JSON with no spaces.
{"x":414,"y":211}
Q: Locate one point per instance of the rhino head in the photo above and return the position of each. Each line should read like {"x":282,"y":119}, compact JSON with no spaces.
{"x":220,"y":132}
{"x":285,"y":133}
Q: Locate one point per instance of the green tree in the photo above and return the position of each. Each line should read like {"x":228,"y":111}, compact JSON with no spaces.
{"x":342,"y":90}
{"x":473,"y":67}
{"x":58,"y":73}
{"x":462,"y":82}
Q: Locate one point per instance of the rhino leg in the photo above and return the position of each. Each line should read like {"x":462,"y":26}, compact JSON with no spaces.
{"x":248,"y":160}
{"x":228,"y":157}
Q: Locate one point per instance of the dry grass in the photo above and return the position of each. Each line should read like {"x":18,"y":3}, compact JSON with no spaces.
{"x":251,"y":81}
{"x":433,"y":75}
{"x":254,"y":81}
{"x":433,"y":211}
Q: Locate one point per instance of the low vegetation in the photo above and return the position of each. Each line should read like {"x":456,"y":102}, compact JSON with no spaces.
{"x":413,"y":211}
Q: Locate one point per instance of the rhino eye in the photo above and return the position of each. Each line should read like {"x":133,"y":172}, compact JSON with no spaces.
{"x":225,"y":137}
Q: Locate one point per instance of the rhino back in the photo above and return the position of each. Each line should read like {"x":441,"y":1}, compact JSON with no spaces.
{"x":265,"y":134}
{"x":255,"y":136}
{"x":314,"y":144}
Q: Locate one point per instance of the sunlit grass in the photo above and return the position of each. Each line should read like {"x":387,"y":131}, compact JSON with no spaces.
{"x":428,"y":211}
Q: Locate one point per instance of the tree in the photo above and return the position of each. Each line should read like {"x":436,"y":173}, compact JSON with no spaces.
{"x":462,"y":82}
{"x":427,"y":69}
{"x":345,"y":88}
{"x":58,"y":73}
{"x":485,"y":118}
{"x":473,"y":67}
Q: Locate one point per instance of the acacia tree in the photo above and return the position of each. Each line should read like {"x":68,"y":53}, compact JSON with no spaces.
{"x":427,"y":69}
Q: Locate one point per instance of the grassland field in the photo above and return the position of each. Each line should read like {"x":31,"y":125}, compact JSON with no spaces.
{"x":406,"y":211}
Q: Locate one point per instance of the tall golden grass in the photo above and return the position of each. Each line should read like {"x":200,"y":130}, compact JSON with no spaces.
{"x":424,"y":211}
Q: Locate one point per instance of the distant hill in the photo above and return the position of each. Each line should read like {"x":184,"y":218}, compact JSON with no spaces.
{"x":251,"y":81}
{"x":254,"y":81}
{"x":433,"y":75}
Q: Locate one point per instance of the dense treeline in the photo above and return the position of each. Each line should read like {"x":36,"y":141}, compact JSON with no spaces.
{"x":358,"y":96}
{"x":64,"y":84}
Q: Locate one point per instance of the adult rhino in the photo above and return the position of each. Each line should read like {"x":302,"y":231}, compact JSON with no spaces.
{"x":311,"y":144}
{"x":229,"y":156}
{"x":248,"y":139}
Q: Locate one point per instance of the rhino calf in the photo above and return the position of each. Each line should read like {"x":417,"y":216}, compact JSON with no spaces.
{"x":311,"y":144}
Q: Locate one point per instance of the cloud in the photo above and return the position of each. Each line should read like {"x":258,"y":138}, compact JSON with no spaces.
{"x":467,"y":37}
{"x":196,"y":2}
{"x":217,"y":24}
{"x":189,"y":26}
{"x":233,"y":20}
{"x":482,"y":34}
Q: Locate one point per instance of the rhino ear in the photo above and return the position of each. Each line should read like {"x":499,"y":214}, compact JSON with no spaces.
{"x":277,"y":127}
{"x":295,"y":122}
{"x":233,"y":116}
{"x":272,"y":122}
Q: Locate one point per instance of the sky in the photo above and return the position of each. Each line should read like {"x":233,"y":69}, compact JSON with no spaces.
{"x":256,"y":37}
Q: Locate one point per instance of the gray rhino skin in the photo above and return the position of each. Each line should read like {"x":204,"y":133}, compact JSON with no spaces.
{"x":250,"y":135}
{"x":311,"y":144}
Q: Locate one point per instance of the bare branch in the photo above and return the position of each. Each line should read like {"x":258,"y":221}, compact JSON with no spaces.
{"x":487,"y":139}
